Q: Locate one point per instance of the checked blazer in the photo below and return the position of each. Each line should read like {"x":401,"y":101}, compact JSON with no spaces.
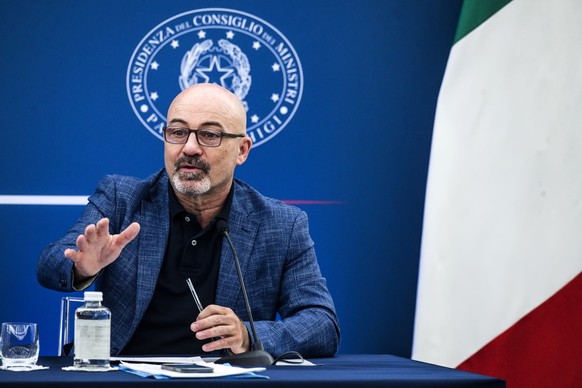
{"x":290,"y":302}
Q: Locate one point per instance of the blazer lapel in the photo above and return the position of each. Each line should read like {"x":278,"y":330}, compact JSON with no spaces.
{"x":243,"y":230}
{"x":153,"y":237}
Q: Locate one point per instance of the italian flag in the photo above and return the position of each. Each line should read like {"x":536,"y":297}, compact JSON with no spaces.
{"x":500,"y":280}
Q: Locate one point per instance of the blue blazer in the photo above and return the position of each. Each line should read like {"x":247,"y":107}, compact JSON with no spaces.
{"x":272,"y":241}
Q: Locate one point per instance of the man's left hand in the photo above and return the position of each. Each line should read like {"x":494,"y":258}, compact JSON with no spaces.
{"x":222,"y":324}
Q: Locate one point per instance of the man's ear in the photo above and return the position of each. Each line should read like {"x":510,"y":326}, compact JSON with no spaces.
{"x":243,"y":150}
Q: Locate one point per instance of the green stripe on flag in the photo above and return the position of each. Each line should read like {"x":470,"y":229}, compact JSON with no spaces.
{"x":475,"y":12}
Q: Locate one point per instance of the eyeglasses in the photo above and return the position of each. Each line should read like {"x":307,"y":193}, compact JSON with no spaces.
{"x":205,"y":137}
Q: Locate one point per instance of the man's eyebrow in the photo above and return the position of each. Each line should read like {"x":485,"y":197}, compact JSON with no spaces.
{"x":204,"y":124}
{"x":174,"y":121}
{"x":211,"y":124}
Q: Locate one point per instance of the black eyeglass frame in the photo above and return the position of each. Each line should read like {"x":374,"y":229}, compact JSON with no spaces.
{"x":195,"y":131}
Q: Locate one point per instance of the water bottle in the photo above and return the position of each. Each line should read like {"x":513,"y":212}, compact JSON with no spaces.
{"x":92,"y":333}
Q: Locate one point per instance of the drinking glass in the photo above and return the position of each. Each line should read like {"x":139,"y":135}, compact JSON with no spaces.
{"x":20,"y":345}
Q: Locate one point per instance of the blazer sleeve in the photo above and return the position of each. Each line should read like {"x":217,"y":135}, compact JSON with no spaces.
{"x":53,"y":269}
{"x":307,"y":320}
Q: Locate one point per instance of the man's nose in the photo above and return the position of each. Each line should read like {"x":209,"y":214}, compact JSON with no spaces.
{"x":192,"y":147}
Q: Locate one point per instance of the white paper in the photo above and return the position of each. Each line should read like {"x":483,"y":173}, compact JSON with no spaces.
{"x":219,"y":370}
{"x":295,"y":363}
{"x":23,"y":368}
{"x":198,"y":359}
{"x":161,"y":360}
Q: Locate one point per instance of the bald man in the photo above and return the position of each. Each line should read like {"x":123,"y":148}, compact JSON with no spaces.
{"x":138,"y":241}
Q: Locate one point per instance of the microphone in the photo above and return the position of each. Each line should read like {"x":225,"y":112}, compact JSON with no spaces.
{"x":256,"y":356}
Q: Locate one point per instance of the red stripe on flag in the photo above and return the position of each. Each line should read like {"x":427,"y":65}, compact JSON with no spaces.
{"x":543,"y":349}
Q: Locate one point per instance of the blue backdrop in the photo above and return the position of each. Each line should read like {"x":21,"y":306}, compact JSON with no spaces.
{"x":353,"y":152}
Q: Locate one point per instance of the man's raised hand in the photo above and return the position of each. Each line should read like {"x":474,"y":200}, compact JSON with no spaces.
{"x":97,"y":248}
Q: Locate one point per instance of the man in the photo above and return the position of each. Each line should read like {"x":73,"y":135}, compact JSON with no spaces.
{"x":139,"y":240}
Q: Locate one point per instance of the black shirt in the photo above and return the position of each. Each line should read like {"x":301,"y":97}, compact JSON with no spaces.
{"x":192,"y":252}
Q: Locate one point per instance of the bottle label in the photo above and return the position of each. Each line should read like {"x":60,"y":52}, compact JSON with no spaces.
{"x":92,"y":339}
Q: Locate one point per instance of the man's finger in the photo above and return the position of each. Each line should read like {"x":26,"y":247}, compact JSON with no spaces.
{"x":71,"y":254}
{"x":82,"y":242}
{"x":126,"y":236}
{"x":102,"y":227}
{"x":90,"y":232}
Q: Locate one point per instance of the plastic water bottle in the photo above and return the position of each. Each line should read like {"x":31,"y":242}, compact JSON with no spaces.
{"x":92,"y":333}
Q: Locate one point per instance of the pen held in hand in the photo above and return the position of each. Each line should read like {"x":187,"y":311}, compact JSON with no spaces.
{"x":194,"y":295}
{"x":197,"y":300}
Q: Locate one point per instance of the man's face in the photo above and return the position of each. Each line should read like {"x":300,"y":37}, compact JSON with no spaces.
{"x":195,"y":170}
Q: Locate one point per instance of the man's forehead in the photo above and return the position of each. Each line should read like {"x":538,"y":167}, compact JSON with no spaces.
{"x":195,"y":110}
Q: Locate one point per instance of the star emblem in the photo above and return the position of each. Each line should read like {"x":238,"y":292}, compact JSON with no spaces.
{"x":175,"y":44}
{"x":214,"y":72}
{"x":155,"y":65}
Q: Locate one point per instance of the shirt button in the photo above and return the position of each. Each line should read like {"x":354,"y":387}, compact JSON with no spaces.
{"x":194,"y":243}
{"x":187,"y":219}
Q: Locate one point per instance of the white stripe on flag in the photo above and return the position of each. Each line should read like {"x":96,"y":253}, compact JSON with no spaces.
{"x":503,"y":212}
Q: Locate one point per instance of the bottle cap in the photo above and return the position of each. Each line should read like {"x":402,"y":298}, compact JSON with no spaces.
{"x":93,"y":296}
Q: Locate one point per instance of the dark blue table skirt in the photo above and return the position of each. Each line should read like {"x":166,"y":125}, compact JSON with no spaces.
{"x":341,"y":371}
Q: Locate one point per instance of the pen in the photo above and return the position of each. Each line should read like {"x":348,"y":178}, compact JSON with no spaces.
{"x":197,"y":300}
{"x":194,"y":294}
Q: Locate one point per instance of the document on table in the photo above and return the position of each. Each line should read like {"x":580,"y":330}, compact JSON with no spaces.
{"x":198,"y":359}
{"x":163,"y":360}
{"x":219,"y":370}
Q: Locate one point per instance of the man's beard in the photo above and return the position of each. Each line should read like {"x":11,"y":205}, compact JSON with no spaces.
{"x":191,"y":183}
